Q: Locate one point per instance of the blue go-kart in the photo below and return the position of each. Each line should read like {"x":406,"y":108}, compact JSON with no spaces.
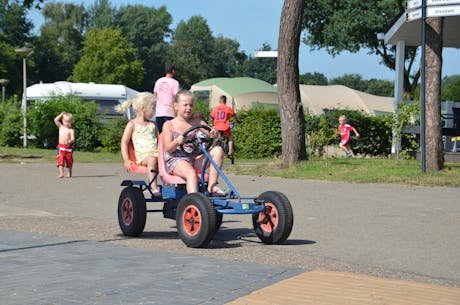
{"x":199,"y":215}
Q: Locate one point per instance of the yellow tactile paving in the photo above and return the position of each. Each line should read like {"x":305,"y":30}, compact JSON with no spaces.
{"x":331,"y":288}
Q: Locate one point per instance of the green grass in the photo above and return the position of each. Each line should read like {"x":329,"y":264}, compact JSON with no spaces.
{"x":375,"y":170}
{"x":12,"y":154}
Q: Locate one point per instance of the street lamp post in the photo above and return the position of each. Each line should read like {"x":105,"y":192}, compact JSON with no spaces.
{"x":24,"y":53}
{"x":3,"y":83}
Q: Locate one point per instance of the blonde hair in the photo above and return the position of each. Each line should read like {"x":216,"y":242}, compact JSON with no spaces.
{"x":344,"y":117}
{"x":141,"y":100}
{"x":68,"y":116}
{"x":182,"y":92}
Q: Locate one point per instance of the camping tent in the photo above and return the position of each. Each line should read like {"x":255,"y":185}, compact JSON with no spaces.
{"x":318,"y":99}
{"x":245,"y":92}
{"x":241,"y":92}
{"x":107,"y":96}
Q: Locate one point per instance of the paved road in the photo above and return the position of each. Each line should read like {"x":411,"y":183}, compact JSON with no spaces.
{"x":393,"y":231}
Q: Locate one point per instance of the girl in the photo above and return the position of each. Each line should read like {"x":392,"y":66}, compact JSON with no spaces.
{"x":344,"y":131}
{"x":182,"y":163}
{"x":143,"y":134}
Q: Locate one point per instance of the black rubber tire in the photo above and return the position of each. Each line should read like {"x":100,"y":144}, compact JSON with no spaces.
{"x":219,"y":218}
{"x":131,"y":211}
{"x":196,"y":220}
{"x":274,"y":225}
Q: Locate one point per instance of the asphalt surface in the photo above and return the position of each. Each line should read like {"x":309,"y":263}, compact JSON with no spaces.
{"x":63,"y":233}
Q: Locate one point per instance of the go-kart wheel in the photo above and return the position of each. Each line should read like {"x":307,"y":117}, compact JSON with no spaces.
{"x":274,"y":224}
{"x":196,"y":220}
{"x":131,"y":211}
{"x":219,"y":218}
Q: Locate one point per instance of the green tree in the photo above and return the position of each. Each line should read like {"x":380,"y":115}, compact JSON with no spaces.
{"x":380,"y":87}
{"x":354,"y":81}
{"x":146,"y":29}
{"x":15,"y":31}
{"x":343,"y":26}
{"x":101,"y":14}
{"x":108,"y":59}
{"x":192,"y":51}
{"x":451,"y":88}
{"x":10,"y":68}
{"x":59,"y":46}
{"x":313,"y":79}
{"x":15,"y":28}
{"x":227,"y":58}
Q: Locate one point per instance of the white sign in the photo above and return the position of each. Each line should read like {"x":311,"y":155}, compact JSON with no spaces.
{"x":434,"y":11}
{"x":266,"y":54}
{"x":411,"y":4}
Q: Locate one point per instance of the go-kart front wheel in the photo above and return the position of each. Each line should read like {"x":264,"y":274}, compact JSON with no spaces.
{"x":131,"y":211}
{"x":274,"y":224}
{"x":196,"y":220}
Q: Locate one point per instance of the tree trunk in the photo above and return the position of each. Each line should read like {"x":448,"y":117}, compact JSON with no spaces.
{"x":291,"y":110}
{"x":433,"y":65}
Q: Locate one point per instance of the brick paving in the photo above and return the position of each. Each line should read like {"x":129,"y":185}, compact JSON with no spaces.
{"x":322,"y":287}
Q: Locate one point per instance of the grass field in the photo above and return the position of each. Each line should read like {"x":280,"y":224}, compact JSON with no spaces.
{"x":373,"y":170}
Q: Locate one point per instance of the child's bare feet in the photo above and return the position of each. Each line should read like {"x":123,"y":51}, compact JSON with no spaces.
{"x":61,"y":176}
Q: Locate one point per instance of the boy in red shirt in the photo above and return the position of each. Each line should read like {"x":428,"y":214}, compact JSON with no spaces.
{"x":344,"y":130}
{"x":221,"y":115}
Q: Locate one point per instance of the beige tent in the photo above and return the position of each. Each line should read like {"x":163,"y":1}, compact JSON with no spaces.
{"x":241,"y":92}
{"x":318,"y":99}
{"x":245,"y":92}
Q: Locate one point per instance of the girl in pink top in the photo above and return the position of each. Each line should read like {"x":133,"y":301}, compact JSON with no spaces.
{"x":344,"y":131}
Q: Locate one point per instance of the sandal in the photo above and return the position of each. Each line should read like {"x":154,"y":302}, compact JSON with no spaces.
{"x":216,"y":191}
{"x":156,"y":193}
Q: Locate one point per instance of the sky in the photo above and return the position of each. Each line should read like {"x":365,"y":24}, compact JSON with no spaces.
{"x":255,"y":22}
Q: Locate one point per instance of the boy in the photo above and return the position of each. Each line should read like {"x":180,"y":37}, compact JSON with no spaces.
{"x":221,"y":120}
{"x":344,"y":131}
{"x":66,"y":138}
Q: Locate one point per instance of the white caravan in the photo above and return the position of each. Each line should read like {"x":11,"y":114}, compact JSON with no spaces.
{"x":106,"y":96}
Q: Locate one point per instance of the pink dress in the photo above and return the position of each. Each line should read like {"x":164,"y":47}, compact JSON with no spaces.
{"x":345,"y":133}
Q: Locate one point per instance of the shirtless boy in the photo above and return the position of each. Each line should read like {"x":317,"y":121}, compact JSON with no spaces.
{"x":65,"y":142}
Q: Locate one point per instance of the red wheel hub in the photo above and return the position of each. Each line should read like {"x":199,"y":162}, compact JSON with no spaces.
{"x":269,"y":218}
{"x":191,"y":220}
{"x":127,"y":211}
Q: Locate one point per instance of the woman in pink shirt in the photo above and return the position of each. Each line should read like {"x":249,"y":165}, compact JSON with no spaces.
{"x":165,"y":90}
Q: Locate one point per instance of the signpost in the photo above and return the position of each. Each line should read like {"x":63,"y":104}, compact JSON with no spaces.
{"x":411,"y":4}
{"x":434,"y":11}
{"x":422,"y":9}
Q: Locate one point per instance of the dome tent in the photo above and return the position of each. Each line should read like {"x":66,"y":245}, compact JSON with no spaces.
{"x":241,"y":92}
{"x":318,"y":99}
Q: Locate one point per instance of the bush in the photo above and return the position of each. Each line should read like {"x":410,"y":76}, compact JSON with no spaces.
{"x":86,"y":121}
{"x":259,"y":136}
{"x":11,"y":123}
{"x":111,"y":135}
{"x":375,"y":132}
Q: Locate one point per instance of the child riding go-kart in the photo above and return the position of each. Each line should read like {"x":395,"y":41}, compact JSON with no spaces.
{"x":199,"y":215}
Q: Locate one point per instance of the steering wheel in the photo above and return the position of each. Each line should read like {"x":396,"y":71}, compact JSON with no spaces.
{"x":197,"y":140}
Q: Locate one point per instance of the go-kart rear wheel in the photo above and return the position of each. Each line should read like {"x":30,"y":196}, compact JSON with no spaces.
{"x":274,"y":224}
{"x":131,"y":211}
{"x":196,"y":220}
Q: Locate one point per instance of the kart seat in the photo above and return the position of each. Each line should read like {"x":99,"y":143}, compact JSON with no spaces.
{"x":165,"y":177}
{"x":135,"y":168}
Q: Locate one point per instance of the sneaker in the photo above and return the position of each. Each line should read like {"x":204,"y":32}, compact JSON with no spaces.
{"x":348,"y":154}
